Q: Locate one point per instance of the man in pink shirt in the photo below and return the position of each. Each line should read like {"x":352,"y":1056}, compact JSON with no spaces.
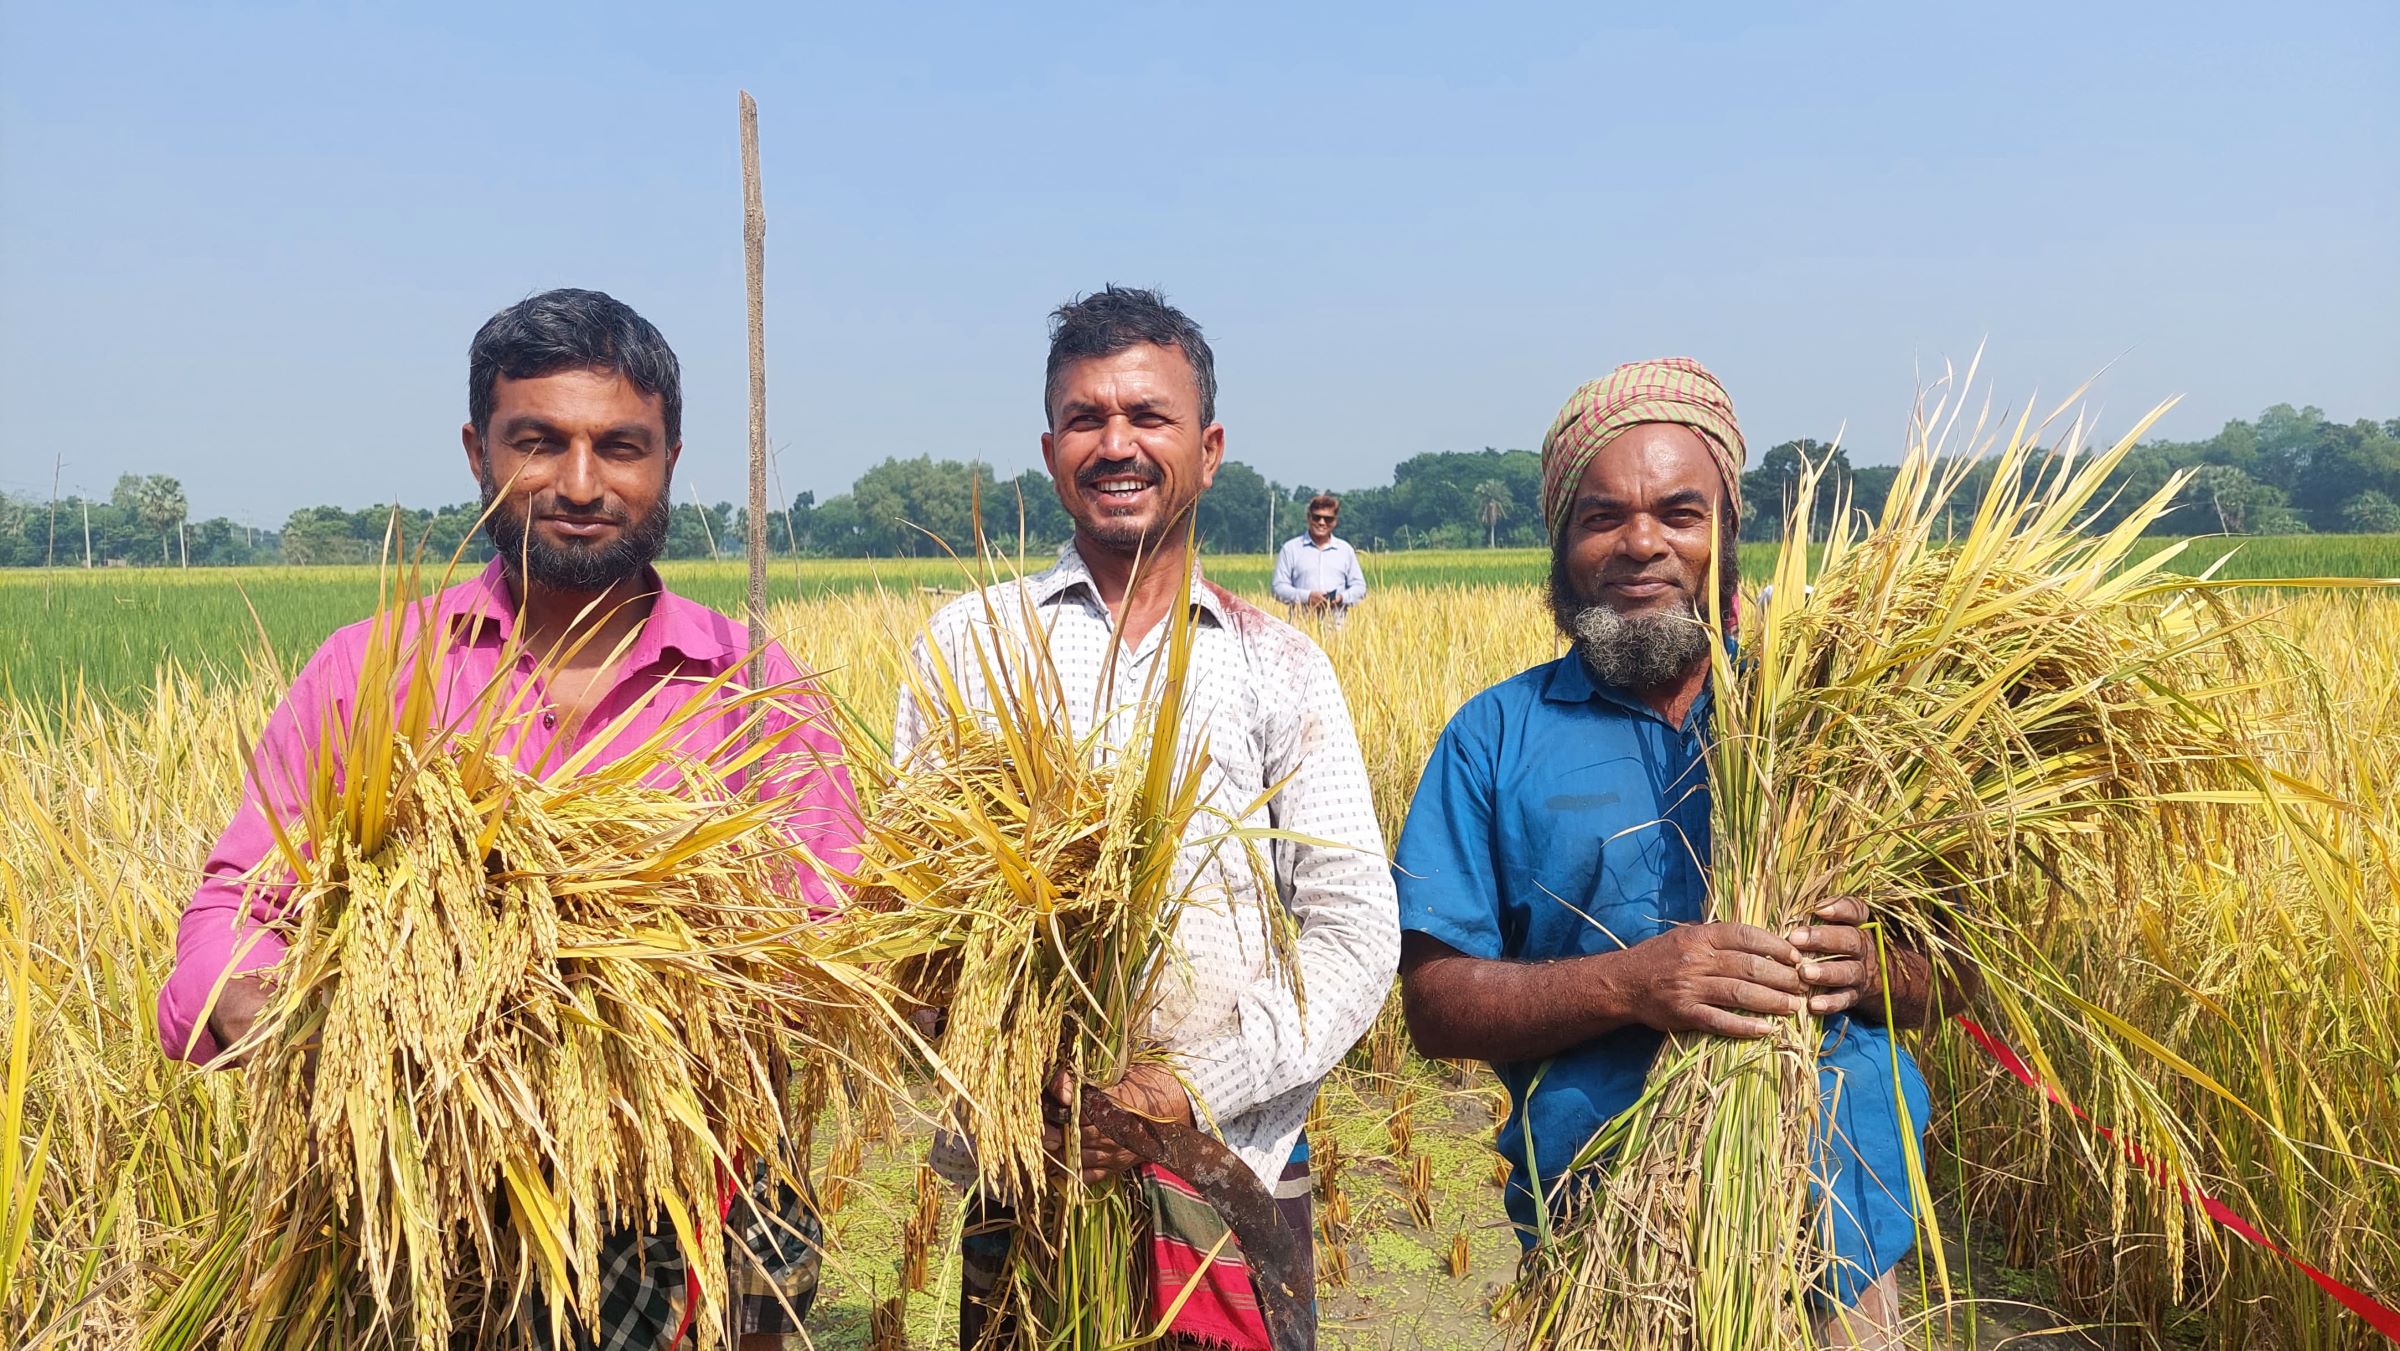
{"x":574,"y":424}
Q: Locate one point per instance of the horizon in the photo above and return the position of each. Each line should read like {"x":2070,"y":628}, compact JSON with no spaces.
{"x":1403,"y":234}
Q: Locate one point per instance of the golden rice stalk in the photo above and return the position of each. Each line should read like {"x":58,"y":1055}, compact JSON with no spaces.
{"x":518,"y":1013}
{"x":1969,"y":717}
{"x":1023,"y":877}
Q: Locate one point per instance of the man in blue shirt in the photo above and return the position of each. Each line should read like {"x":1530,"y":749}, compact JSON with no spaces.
{"x":1552,"y":873}
{"x":1317,"y":574}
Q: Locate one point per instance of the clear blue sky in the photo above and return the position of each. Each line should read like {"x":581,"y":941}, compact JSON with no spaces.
{"x":247,"y":244}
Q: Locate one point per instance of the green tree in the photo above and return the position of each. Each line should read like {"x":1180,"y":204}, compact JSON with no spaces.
{"x":160,"y":504}
{"x":1233,"y":514}
{"x":1492,"y":506}
{"x":1768,"y":489}
{"x":2244,"y":506}
{"x":314,"y":535}
{"x":2372,"y":513}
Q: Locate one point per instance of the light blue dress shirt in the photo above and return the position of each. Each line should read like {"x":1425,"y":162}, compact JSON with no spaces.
{"x":1302,"y":570}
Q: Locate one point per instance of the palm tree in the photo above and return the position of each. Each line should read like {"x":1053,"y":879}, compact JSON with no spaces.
{"x":159,"y":501}
{"x":1492,"y":505}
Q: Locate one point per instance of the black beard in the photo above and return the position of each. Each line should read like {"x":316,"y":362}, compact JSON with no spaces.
{"x":1116,"y":532}
{"x":575,"y":570}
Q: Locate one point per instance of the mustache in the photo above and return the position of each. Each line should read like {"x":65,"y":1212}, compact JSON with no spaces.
{"x":1092,"y":474}
{"x":596,"y":511}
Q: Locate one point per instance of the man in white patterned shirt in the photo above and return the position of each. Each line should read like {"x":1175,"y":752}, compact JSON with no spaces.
{"x":1133,"y":442}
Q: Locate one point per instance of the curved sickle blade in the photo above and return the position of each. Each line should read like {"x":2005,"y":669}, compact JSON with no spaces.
{"x":1219,"y":1175}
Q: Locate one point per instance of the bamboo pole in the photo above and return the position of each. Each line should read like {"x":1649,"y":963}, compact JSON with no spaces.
{"x":754,"y":250}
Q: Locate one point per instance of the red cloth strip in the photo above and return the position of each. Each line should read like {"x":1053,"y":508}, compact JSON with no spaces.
{"x":1222,"y":1311}
{"x":2380,"y":1316}
{"x":691,"y":1278}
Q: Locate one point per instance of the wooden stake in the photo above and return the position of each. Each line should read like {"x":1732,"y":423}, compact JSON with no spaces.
{"x":754,"y":251}
{"x":50,"y":557}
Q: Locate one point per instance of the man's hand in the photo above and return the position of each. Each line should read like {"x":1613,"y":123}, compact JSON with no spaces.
{"x":1146,"y":1090}
{"x":1896,"y":986}
{"x":1319,"y":600}
{"x":1716,"y":978}
{"x":235,"y":1012}
{"x":1838,"y":958}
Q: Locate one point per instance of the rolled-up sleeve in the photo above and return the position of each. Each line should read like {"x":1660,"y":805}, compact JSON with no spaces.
{"x":243,"y":887}
{"x":1338,"y":887}
{"x":1448,"y":880}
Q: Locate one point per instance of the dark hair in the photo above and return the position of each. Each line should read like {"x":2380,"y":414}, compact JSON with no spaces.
{"x":1325,"y":502}
{"x":571,"y":330}
{"x":1114,"y":318}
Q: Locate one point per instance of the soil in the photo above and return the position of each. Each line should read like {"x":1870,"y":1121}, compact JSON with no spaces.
{"x":1393,"y":1285}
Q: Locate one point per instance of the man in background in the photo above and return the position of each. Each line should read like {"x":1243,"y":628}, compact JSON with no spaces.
{"x":1317,"y":573}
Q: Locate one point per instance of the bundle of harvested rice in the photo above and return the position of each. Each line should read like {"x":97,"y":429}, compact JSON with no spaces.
{"x":1974,"y":717}
{"x":1023,"y":879}
{"x":518,"y":1013}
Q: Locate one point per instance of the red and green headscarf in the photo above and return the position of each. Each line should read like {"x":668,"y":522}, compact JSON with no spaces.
{"x":1670,"y":389}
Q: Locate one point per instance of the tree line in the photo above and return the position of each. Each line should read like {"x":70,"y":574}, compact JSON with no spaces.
{"x":2288,"y":471}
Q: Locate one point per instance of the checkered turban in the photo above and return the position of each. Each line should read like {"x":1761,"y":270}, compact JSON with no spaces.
{"x":1670,"y":389}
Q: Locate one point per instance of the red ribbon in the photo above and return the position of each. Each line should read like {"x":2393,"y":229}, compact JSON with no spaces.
{"x":2380,"y":1316}
{"x":691,"y":1278}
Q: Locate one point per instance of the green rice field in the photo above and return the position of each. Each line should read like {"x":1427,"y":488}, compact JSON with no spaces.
{"x":110,"y":629}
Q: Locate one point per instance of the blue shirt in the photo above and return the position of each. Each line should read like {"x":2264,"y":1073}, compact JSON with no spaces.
{"x":1558,"y":818}
{"x":1302,"y":570}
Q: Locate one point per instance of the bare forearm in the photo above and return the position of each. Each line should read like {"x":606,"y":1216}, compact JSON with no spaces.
{"x":1467,"y":1008}
{"x":236,"y":1010}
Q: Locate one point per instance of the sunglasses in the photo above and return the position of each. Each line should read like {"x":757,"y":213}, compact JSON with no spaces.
{"x":1322,"y":520}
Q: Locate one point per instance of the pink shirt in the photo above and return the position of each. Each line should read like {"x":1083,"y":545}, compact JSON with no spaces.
{"x":682,"y":644}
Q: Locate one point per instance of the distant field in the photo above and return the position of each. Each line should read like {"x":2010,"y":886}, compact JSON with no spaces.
{"x":109,"y":629}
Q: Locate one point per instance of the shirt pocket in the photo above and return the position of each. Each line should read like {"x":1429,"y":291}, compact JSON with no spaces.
{"x":1596,"y":876}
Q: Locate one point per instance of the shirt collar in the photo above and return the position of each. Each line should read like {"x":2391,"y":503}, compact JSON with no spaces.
{"x":488,"y":603}
{"x":1070,"y":571}
{"x":1570,"y":682}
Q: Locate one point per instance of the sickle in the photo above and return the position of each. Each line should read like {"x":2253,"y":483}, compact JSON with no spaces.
{"x":1226,"y":1183}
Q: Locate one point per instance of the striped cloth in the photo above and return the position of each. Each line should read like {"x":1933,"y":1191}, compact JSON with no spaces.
{"x":1670,"y":389}
{"x":1220,"y":1314}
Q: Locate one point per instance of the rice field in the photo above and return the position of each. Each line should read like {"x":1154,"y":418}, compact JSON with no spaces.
{"x":107,"y":630}
{"x":133,"y":693}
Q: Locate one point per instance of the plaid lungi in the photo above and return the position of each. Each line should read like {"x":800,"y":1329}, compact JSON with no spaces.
{"x":988,"y":1229}
{"x":771,"y":1259}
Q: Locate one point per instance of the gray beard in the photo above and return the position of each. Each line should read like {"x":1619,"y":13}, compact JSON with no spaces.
{"x":1636,"y":652}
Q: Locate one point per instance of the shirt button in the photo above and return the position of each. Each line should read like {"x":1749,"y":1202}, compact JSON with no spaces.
{"x":550,"y":721}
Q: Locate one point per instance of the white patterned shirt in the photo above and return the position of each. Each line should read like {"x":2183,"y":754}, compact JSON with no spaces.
{"x":1265,"y":701}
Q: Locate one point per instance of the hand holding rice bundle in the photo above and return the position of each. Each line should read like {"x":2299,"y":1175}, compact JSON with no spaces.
{"x":1022,"y":878}
{"x":520,"y":1016}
